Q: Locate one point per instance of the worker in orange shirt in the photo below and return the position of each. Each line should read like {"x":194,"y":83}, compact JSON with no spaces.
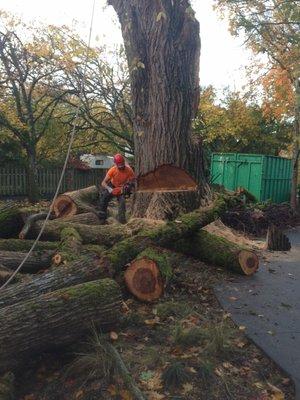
{"x":119,"y":182}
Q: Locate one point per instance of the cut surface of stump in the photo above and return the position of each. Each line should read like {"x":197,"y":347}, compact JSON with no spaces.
{"x":165,"y":193}
{"x":166,"y":178}
{"x":248,"y":261}
{"x":143,"y":279}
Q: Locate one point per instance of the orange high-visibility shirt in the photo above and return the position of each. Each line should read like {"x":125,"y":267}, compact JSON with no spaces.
{"x":119,"y":177}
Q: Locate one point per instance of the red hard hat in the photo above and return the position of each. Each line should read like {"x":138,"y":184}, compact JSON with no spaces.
{"x":119,"y":159}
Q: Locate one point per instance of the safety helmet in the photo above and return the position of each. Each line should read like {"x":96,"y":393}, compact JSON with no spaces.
{"x":119,"y":159}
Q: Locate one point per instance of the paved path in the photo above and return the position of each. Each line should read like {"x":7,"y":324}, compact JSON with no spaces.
{"x":268,"y":304}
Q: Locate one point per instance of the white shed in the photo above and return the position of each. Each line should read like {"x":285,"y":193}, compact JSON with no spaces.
{"x":97,"y":161}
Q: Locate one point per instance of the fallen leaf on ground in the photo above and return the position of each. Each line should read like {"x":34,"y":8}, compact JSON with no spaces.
{"x":187,"y":388}
{"x":112,"y":390}
{"x":232,"y":298}
{"x":156,"y":396}
{"x":113,"y":335}
{"x":242,"y":328}
{"x":125,"y":395}
{"x":277,"y":394}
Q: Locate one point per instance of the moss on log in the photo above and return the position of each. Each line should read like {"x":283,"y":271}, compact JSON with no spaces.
{"x":69,"y":248}
{"x":25,"y":245}
{"x":56,"y":319}
{"x":220,"y":252}
{"x":10,"y":220}
{"x":85,"y":269}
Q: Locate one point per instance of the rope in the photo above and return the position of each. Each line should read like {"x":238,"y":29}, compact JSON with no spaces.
{"x":81,"y":87}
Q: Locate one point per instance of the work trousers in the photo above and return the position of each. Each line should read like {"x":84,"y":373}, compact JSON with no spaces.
{"x":105,"y":198}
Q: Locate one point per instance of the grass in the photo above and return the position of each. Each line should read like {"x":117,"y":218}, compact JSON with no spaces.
{"x":172,"y":309}
{"x":175,"y":375}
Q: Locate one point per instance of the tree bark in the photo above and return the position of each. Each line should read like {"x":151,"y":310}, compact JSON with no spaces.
{"x":10,"y":220}
{"x":72,"y":203}
{"x":33,"y":192}
{"x":36,"y":261}
{"x":106,"y":235}
{"x":56,"y":319}
{"x":69,"y":248}
{"x":162,"y":45}
{"x":30,"y":220}
{"x":85,"y":269}
{"x":218,"y":251}
{"x":277,"y":240}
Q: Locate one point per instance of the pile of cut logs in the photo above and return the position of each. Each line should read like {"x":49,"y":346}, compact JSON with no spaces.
{"x":80,"y":269}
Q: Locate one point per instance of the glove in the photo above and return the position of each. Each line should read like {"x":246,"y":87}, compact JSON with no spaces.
{"x":109,"y":189}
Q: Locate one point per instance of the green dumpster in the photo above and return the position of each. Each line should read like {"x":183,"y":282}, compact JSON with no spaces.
{"x":266,"y":177}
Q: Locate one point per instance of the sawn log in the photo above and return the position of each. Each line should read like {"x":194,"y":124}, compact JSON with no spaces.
{"x":56,"y":319}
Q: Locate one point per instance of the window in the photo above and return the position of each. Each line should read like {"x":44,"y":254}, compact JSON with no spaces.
{"x":99,"y":162}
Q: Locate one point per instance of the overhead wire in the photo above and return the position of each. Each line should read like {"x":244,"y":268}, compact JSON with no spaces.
{"x":72,"y":137}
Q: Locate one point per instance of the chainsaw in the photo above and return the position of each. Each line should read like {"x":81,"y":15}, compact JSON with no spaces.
{"x":125,"y":190}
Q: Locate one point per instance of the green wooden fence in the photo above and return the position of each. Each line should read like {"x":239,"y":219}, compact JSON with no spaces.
{"x":13,"y":180}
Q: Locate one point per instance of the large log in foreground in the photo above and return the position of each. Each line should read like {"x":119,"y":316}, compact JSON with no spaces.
{"x":218,"y":251}
{"x":56,"y":319}
{"x":85,"y":269}
{"x":35,"y":262}
{"x":78,"y":201}
{"x":10,"y":220}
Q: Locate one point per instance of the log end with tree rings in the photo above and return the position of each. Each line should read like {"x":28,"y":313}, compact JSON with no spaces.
{"x":57,"y":259}
{"x":64,"y":206}
{"x":248,"y":261}
{"x":165,"y":178}
{"x":143,"y":280}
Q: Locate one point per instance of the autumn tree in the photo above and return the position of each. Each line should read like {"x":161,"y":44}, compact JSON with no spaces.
{"x":236,"y":123}
{"x":272,"y":28}
{"x":31,"y":87}
{"x":105,"y":104}
{"x":162,"y":46}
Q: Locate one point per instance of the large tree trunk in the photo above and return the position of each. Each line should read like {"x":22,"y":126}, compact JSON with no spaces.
{"x":219,"y":252}
{"x":33,"y":192}
{"x":163,"y":48}
{"x":78,"y":201}
{"x":56,"y":319}
{"x":10,"y":220}
{"x":36,"y":261}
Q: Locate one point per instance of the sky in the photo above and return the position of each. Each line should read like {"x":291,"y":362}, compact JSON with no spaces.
{"x":223,"y":57}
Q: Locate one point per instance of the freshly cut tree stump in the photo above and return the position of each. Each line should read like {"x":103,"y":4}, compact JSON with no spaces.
{"x":277,"y":240}
{"x":166,"y":178}
{"x":218,"y":251}
{"x":165,"y":193}
{"x":36,"y":261}
{"x":56,"y":319}
{"x":25,"y":245}
{"x":10,"y":220}
{"x":146,"y":276}
{"x":164,"y":205}
{"x":69,"y":248}
{"x":72,"y":203}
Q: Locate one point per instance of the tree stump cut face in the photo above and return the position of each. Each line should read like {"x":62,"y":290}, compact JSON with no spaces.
{"x":143,"y":280}
{"x":166,"y":178}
